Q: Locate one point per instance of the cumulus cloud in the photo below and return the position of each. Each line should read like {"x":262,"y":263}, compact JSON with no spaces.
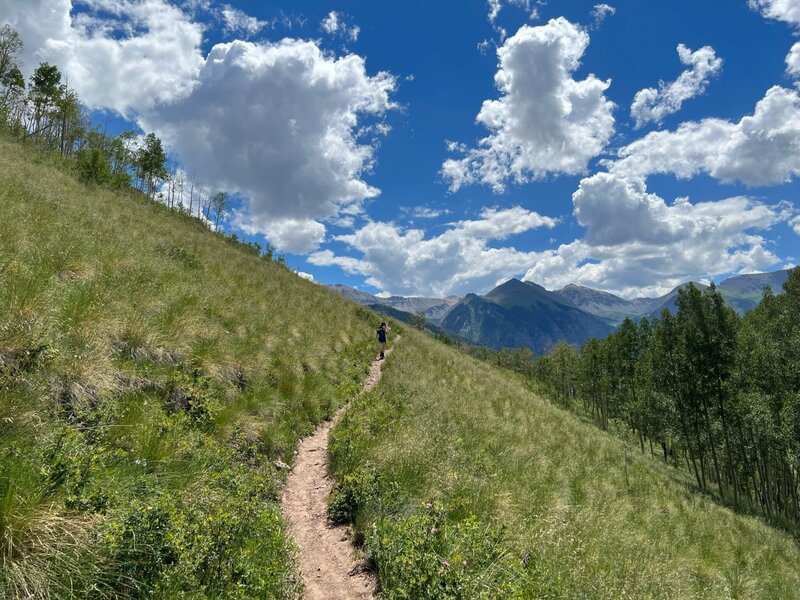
{"x":637,"y":244}
{"x":544,"y":121}
{"x":780,"y":10}
{"x":239,"y":22}
{"x":335,"y":24}
{"x":458,"y":261}
{"x":651,"y":104}
{"x":277,"y":123}
{"x":762,"y":149}
{"x":793,"y":60}
{"x":126,"y":56}
{"x":298,"y":236}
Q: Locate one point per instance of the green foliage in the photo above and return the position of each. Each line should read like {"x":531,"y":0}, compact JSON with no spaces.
{"x":711,"y":392}
{"x":582,"y":513}
{"x":227,"y":542}
{"x":418,"y":320}
{"x":187,"y":258}
{"x":429,"y":555}
{"x":150,"y":162}
{"x":93,"y":166}
{"x":151,"y":371}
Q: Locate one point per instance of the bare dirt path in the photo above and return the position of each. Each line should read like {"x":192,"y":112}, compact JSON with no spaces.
{"x":329,"y":563}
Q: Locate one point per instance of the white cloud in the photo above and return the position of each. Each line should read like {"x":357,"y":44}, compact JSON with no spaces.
{"x":335,"y":24}
{"x":651,"y":104}
{"x":793,"y":60}
{"x":637,"y":244}
{"x":277,"y":123}
{"x":780,"y":10}
{"x":495,"y":6}
{"x":499,"y":224}
{"x":762,"y":149}
{"x":458,"y":261}
{"x":298,"y":236}
{"x":307,"y":276}
{"x":494,"y":9}
{"x":544,"y":121}
{"x":330,"y":23}
{"x":239,"y":22}
{"x":123,"y":55}
{"x":424,"y":212}
{"x":795,"y":224}
{"x":600,"y":12}
{"x":787,"y":11}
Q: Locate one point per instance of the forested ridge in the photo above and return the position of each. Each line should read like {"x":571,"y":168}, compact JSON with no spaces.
{"x":703,"y":389}
{"x":46,"y":112}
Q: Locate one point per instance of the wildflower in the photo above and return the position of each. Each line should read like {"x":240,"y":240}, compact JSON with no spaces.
{"x":445,"y":563}
{"x":434,"y":530}
{"x":429,"y":505}
{"x":465,"y":562}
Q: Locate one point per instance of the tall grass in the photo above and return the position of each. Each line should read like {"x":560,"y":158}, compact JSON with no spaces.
{"x":151,"y":374}
{"x":450,"y":457}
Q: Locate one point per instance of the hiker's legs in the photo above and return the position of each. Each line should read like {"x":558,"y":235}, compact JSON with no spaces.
{"x":383,"y":348}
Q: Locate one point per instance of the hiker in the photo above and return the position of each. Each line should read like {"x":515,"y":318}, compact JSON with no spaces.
{"x":382,"y":337}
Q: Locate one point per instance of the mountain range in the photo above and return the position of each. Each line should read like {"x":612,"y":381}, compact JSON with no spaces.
{"x":524,"y":314}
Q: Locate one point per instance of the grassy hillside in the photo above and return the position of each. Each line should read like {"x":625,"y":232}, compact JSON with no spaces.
{"x":151,"y":372}
{"x":464,"y":484}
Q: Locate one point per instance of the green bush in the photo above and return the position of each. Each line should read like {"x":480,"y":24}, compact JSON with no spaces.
{"x":427,"y":555}
{"x":227,"y":541}
{"x":351,"y":495}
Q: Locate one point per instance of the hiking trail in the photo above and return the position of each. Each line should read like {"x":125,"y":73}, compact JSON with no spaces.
{"x":329,"y":563}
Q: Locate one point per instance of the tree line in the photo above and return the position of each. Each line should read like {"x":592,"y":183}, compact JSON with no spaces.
{"x":45,"y":111}
{"x":704,"y":390}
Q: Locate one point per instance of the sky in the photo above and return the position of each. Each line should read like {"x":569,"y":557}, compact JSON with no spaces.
{"x":438,"y":148}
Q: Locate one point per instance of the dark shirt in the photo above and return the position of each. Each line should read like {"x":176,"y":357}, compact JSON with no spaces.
{"x":382,"y":335}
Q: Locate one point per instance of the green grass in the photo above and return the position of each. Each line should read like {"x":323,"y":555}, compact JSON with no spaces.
{"x":151,"y":372}
{"x":449,"y":459}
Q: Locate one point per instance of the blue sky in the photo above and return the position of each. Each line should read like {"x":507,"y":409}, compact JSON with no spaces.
{"x":435,"y":148}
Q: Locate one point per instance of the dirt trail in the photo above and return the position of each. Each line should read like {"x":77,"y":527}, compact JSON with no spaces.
{"x":329,"y":563}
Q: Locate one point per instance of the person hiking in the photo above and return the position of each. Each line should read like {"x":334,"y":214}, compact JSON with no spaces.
{"x":382,"y":337}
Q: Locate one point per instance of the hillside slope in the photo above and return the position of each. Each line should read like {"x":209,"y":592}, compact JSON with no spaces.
{"x":433,"y":308}
{"x":521,"y":314}
{"x":742,"y":293}
{"x":604,"y":305}
{"x":151,"y":375}
{"x":464,"y":482}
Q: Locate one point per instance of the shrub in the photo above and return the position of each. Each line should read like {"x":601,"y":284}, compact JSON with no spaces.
{"x":226,"y":541}
{"x":428,"y":555}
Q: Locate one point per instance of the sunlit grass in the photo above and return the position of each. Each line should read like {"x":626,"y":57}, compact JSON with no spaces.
{"x":582,"y":514}
{"x":151,"y":371}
